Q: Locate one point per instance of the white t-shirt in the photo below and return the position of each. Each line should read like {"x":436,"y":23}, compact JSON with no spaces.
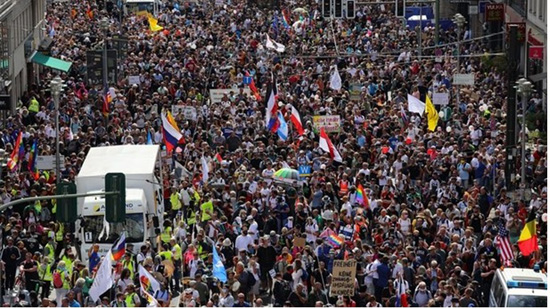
{"x":242,"y":242}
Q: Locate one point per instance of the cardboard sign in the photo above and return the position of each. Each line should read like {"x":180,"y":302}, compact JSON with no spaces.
{"x":343,"y":278}
{"x":216,"y":95}
{"x":299,"y":242}
{"x":134,"y":80}
{"x":331,"y":123}
{"x":189,"y":112}
{"x":464,"y":79}
{"x":440,"y":98}
{"x":272,"y":273}
{"x":47,"y":162}
{"x":355,"y":92}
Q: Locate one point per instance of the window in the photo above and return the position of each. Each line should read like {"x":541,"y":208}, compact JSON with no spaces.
{"x":526,"y":301}
{"x":134,"y":228}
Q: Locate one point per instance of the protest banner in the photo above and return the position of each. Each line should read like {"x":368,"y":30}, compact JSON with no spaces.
{"x":343,"y":278}
{"x":216,"y":95}
{"x":331,"y":123}
{"x":440,"y":99}
{"x":189,"y":112}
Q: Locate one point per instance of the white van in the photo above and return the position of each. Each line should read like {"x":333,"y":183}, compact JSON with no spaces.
{"x":518,"y":287}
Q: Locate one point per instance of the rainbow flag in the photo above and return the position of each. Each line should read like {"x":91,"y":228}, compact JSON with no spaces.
{"x":286,"y":18}
{"x":149,"y":285}
{"x":16,"y":153}
{"x":32,"y":160}
{"x":119,"y":248}
{"x":335,"y":240}
{"x":361,"y":196}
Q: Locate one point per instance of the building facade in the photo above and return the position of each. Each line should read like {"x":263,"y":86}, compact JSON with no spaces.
{"x":21,"y":32}
{"x":536,"y":27}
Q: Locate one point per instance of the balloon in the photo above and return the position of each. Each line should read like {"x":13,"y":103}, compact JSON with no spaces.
{"x":441,"y":114}
{"x":449,"y":129}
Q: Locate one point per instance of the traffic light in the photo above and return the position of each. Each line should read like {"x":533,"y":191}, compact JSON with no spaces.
{"x":400,"y":8}
{"x":350,"y":9}
{"x":338,"y":9}
{"x":115,"y":205}
{"x":326,"y":8}
{"x":66,"y":208}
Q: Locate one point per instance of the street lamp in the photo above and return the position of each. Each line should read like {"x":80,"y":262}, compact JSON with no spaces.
{"x":524,"y":88}
{"x":104,"y":24}
{"x":56,"y":86}
{"x":459,"y":21}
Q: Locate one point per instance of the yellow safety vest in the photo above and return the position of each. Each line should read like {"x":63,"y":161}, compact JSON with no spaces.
{"x":38,"y":207}
{"x":64,"y":278}
{"x":191,"y":220}
{"x":166,"y":254}
{"x":34,"y":105}
{"x":202,"y":253}
{"x":130,"y":266}
{"x":51,"y":252}
{"x":54,"y":207}
{"x":68,"y":264}
{"x":45,"y":272}
{"x":166,"y":235}
{"x":176,"y":252}
{"x":60,"y":232}
{"x":204,"y":207}
{"x":130,"y":300}
{"x":175,"y":201}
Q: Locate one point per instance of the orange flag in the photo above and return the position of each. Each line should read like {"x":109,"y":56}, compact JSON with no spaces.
{"x":73,"y":13}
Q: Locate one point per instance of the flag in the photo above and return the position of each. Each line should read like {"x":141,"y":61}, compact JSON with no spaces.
{"x":153,"y":24}
{"x":119,"y":248}
{"x":415,"y":105}
{"x":275,"y":25}
{"x":527,"y":242}
{"x":296,"y":121}
{"x":272,"y":107}
{"x":404,"y":116}
{"x":327,"y":146}
{"x":14,"y":157}
{"x":282,"y":130}
{"x":89,"y":12}
{"x":335,"y":80}
{"x":286,"y":18}
{"x":148,"y":285}
{"x":335,"y":240}
{"x":149,"y":138}
{"x":74,"y":13}
{"x":431,"y":114}
{"x":170,"y":132}
{"x":32,"y":160}
{"x":107,"y":99}
{"x":218,"y":269}
{"x":253,"y":88}
{"x":103,"y":280}
{"x":504,"y":245}
{"x":205,"y":170}
{"x":274,"y":45}
{"x":361,"y":196}
{"x":218,"y":158}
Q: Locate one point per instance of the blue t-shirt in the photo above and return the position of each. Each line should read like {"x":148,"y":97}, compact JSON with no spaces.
{"x":74,"y":303}
{"x":94,"y":260}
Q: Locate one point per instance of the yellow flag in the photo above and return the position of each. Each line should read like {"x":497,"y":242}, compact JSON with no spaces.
{"x":144,"y":13}
{"x":431,"y":113}
{"x":153,"y":24}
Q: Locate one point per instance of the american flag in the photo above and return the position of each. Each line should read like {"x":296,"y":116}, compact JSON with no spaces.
{"x":504,"y":245}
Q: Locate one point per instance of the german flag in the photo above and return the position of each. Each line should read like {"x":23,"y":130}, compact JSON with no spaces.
{"x":527,"y":242}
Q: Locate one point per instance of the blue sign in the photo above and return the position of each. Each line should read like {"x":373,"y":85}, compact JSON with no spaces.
{"x":304,"y":171}
{"x":247,"y":80}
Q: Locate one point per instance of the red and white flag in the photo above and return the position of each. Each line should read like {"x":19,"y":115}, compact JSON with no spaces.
{"x":504,"y":245}
{"x":296,"y":121}
{"x":327,"y":146}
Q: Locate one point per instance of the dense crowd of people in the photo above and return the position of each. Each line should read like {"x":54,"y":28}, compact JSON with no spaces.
{"x":436,"y":200}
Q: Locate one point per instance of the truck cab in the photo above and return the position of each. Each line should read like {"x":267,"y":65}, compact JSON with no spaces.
{"x":518,"y":287}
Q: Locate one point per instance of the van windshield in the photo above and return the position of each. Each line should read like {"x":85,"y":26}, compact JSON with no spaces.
{"x":134,"y":229}
{"x":526,"y":301}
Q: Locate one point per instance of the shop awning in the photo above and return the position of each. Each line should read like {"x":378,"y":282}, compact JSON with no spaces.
{"x":52,"y":62}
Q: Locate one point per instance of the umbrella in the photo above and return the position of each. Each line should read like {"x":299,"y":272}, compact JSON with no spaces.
{"x":297,"y":24}
{"x":287,"y":173}
{"x":299,"y":10}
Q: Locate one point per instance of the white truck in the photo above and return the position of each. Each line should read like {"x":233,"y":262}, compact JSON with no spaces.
{"x":144,"y":196}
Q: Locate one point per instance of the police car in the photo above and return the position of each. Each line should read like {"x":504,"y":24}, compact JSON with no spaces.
{"x":518,"y":287}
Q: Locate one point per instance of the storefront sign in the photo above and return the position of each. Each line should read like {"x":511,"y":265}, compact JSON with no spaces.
{"x":494,"y":12}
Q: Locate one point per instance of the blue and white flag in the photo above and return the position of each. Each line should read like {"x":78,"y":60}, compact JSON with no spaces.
{"x":282,"y":131}
{"x":218,"y":268}
{"x":149,"y":138}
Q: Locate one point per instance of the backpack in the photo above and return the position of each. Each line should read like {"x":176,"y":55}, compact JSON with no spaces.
{"x":57,"y":280}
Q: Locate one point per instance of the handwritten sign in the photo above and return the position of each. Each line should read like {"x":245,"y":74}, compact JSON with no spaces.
{"x":299,"y":242}
{"x":343,"y":278}
{"x":134,"y":80}
{"x":440,"y":98}
{"x":189,"y":112}
{"x":355,"y":92}
{"x":216,"y":95}
{"x":331,"y":123}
